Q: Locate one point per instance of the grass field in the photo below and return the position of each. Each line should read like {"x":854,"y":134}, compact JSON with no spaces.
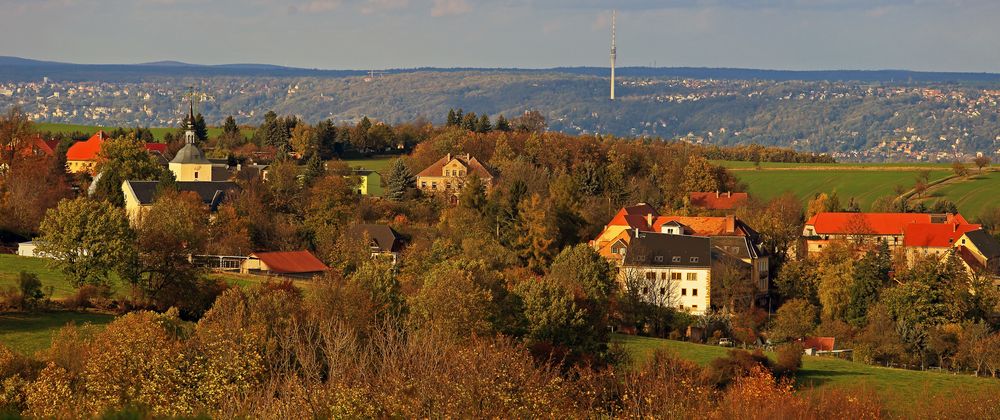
{"x":12,"y":265}
{"x":158,"y":132}
{"x":863,"y":185}
{"x":972,"y":195}
{"x":899,"y":388}
{"x":378,"y":163}
{"x":744,"y":165}
{"x":28,"y":333}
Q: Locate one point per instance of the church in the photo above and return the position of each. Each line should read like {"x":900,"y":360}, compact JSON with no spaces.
{"x":192,"y":171}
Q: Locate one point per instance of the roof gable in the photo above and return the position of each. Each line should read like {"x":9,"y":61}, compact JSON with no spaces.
{"x":87,"y":149}
{"x":384,"y":237}
{"x":935,"y":235}
{"x":472,"y":165}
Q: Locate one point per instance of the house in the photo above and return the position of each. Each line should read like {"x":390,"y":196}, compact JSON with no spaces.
{"x":669,"y":270}
{"x":726,"y":246}
{"x":28,"y":249}
{"x":369,"y":182}
{"x":141,"y":194}
{"x":917,"y":234}
{"x":717,"y":200}
{"x":292,"y":264}
{"x":82,"y":155}
{"x":384,"y":242}
{"x":449,"y":174}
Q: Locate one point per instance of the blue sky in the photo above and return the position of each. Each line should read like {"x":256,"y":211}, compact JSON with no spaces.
{"x":939,"y":35}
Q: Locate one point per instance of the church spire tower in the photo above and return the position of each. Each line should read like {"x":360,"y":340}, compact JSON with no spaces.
{"x":190,"y":164}
{"x":189,"y":136}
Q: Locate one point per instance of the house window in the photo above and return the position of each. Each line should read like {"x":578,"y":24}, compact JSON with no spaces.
{"x":650,"y":276}
{"x":684,"y":292}
{"x":694,"y":292}
{"x":676,"y":259}
{"x":675,"y":276}
{"x":645,"y":290}
{"x":641,"y":258}
{"x":447,"y":185}
{"x":663,"y":276}
{"x":434,"y":185}
{"x":694,"y":306}
{"x":658,"y":258}
{"x":692,"y":276}
{"x":694,"y":259}
{"x":423,"y":184}
{"x":663,"y":291}
{"x":195,"y":174}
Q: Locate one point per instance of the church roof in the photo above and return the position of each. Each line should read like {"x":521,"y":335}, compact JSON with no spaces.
{"x":190,"y":154}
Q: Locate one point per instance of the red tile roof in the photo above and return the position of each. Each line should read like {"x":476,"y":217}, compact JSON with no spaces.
{"x":870,"y":223}
{"x":819,"y":343}
{"x":935,"y":235}
{"x":702,"y":226}
{"x":717,"y":200}
{"x":88,"y":149}
{"x":291,"y":262}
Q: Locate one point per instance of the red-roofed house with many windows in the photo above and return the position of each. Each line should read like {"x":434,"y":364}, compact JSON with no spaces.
{"x":82,"y":155}
{"x":918,"y":233}
{"x":718,"y":200}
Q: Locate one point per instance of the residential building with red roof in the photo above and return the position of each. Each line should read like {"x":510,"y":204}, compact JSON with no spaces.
{"x":296,"y":264}
{"x":718,"y":200}
{"x":449,"y":174}
{"x":730,"y":243}
{"x":82,"y":155}
{"x":919,"y":234}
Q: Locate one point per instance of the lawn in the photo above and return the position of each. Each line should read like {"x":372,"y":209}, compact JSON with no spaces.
{"x":378,"y":164}
{"x":30,"y":332}
{"x":744,"y":165}
{"x":12,"y":265}
{"x":158,"y":132}
{"x":863,"y":185}
{"x":972,"y":195}
{"x":899,"y":388}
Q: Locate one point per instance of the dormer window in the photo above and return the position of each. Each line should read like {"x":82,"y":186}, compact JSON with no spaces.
{"x":694,"y":259}
{"x":658,"y":258}
{"x":676,"y":259}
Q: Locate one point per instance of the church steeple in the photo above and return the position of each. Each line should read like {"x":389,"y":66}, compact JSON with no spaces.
{"x":189,"y":136}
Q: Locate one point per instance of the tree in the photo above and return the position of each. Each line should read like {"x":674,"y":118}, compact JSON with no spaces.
{"x":823,"y":203}
{"x":535,"y":241}
{"x":700,"y":175}
{"x":15,"y":132}
{"x":473,"y":195}
{"x":452,"y":119}
{"x":229,"y":233}
{"x":315,"y":168}
{"x":469,"y":121}
{"x":123,"y":159}
{"x":502,"y":124}
{"x":960,"y":169}
{"x":451,"y":302}
{"x":399,"y":181}
{"x":484,"y":125}
{"x":88,"y":240}
{"x":31,"y":187}
{"x":835,"y":281}
{"x":982,"y":162}
{"x":231,"y":136}
{"x":798,"y":279}
{"x":200,"y":128}
{"x":553,"y":317}
{"x":530,"y":122}
{"x":304,"y":141}
{"x":920,"y":188}
{"x":360,"y":138}
{"x":169,"y":232}
{"x":793,"y":320}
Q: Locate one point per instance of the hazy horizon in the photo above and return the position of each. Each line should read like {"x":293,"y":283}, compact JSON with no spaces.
{"x":918,"y":35}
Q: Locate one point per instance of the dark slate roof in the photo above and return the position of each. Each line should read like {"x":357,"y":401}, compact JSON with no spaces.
{"x":987,"y":244}
{"x":211,"y":193}
{"x":384,"y":238}
{"x":190,"y":154}
{"x":736,"y":246}
{"x":660,"y":250}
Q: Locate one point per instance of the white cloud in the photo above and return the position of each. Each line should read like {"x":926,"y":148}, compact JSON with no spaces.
{"x":449,"y":7}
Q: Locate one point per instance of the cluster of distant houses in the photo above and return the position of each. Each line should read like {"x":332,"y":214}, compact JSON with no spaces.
{"x":675,"y":258}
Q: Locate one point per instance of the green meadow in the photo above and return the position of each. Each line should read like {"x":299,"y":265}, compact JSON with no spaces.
{"x":900,"y":389}
{"x":30,"y":332}
{"x":863,"y":185}
{"x":972,"y":195}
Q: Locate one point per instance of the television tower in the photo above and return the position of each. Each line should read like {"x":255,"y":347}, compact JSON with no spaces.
{"x":614,"y":53}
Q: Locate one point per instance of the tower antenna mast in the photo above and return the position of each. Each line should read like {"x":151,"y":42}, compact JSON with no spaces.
{"x":614,"y":53}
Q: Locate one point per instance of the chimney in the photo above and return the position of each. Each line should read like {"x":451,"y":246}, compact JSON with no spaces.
{"x":649,"y":220}
{"x":716,"y":193}
{"x":729,"y":194}
{"x":448,"y":158}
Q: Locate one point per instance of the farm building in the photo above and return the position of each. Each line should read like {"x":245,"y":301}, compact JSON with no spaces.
{"x":293,"y":264}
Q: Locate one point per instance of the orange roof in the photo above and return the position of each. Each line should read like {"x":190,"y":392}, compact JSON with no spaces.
{"x":819,"y":343}
{"x":470,"y":162}
{"x":701,"y":226}
{"x":88,"y":149}
{"x":291,"y":262}
{"x":870,"y":223}
{"x":935,"y":235}
{"x":605,"y":250}
{"x":717,"y":200}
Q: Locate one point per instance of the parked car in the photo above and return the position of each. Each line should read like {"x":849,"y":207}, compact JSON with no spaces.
{"x":725,"y":342}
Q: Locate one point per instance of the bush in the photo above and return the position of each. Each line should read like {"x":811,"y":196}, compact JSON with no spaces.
{"x":31,"y":290}
{"x":788,"y":359}
{"x":724,"y":370}
{"x":88,"y":296}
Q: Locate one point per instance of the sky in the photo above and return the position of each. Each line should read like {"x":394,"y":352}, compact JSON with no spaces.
{"x":929,"y":35}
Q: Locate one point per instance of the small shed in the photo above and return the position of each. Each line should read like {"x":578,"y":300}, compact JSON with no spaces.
{"x":293,"y":264}
{"x":28,"y":249}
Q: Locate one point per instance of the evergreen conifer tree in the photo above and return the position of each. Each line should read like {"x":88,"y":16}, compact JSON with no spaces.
{"x":399,"y":180}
